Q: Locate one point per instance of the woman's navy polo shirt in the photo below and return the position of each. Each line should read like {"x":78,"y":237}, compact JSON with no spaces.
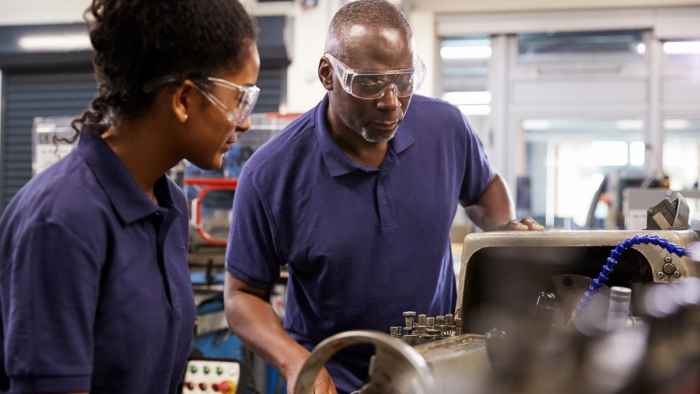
{"x":94,"y":283}
{"x":362,"y":244}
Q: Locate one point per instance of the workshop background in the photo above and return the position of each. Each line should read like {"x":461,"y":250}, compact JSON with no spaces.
{"x":590,"y":110}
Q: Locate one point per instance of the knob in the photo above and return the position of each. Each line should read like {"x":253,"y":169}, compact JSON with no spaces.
{"x":227,"y":387}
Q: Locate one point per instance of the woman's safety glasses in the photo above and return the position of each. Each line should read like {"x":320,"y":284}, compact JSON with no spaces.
{"x":372,"y":85}
{"x":235,"y":101}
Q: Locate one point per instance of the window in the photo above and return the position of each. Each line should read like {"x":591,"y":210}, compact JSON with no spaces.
{"x":681,"y":152}
{"x":598,"y":46}
{"x":568,"y":159}
{"x":464,"y":77}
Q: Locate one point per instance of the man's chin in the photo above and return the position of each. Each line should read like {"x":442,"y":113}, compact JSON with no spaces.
{"x":377,"y":137}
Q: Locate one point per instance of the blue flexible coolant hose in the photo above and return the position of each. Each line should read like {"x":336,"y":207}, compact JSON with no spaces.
{"x":612,"y":262}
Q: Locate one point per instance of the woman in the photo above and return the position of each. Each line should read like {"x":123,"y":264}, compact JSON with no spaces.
{"x":95,"y":290}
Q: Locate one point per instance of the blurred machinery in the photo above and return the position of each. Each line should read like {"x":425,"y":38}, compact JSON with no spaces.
{"x":214,"y":376}
{"x":211,"y":194}
{"x":636,"y":203}
{"x":555,"y":312}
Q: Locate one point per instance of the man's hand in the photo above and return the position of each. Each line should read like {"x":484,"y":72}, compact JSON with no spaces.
{"x":252,"y":319}
{"x":323,"y":384}
{"x":522,"y":225}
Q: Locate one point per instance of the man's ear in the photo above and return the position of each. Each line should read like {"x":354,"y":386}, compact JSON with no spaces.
{"x":325,"y":73}
{"x":182,"y":102}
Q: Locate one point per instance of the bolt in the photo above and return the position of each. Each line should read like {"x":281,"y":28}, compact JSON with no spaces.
{"x":677,"y":274}
{"x":420,"y":324}
{"x":568,"y":281}
{"x":668,"y":259}
{"x":659,"y":274}
{"x":409,"y":318}
{"x":668,"y":268}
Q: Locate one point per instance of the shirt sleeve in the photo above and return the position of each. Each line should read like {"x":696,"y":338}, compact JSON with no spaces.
{"x":53,"y":294}
{"x":251,"y":255}
{"x":477,"y":173}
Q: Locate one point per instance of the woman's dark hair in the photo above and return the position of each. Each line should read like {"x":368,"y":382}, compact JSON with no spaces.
{"x":137,"y":41}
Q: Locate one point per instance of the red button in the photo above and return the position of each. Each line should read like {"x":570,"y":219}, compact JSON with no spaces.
{"x":202,"y":386}
{"x":224,"y":386}
{"x":189,"y":385}
{"x":215,"y":387}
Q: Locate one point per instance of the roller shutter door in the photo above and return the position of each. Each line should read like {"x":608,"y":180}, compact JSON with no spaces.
{"x":272,"y":83}
{"x":26,"y":96}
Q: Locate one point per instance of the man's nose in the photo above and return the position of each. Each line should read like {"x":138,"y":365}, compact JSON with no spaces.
{"x":390,"y":100}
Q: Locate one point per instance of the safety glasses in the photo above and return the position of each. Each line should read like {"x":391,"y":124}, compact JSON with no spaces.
{"x":372,"y":85}
{"x":235,"y":101}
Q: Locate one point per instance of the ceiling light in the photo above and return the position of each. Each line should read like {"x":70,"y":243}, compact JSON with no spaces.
{"x":641,"y":48}
{"x":676,"y":124}
{"x":682,"y":47}
{"x":467,"y":98}
{"x":536,"y":124}
{"x":74,"y":42}
{"x":629,"y":124}
{"x":470,"y":52}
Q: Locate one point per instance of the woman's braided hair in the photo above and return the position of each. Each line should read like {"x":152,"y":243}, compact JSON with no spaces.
{"x":137,"y":41}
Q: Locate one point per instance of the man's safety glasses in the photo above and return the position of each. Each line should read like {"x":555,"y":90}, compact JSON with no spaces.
{"x":235,"y":101}
{"x":371,"y":85}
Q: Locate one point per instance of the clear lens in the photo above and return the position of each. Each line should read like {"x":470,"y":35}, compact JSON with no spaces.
{"x":235,"y":101}
{"x":372,"y":85}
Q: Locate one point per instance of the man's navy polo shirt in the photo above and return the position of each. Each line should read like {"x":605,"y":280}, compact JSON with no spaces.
{"x":362,"y":244}
{"x":94,"y":283}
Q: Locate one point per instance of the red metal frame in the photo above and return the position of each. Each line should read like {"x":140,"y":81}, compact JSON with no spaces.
{"x":210,"y":184}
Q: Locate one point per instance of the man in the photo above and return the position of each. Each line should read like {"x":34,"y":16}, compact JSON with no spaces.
{"x":357,"y":197}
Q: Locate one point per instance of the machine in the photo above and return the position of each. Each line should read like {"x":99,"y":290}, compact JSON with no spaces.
{"x":219,"y":362}
{"x":550,"y":312}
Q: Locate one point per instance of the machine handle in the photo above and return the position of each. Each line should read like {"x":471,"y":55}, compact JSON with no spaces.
{"x":395,"y":367}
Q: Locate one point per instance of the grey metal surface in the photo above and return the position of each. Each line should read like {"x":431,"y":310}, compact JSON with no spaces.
{"x":460,"y":365}
{"x":535,"y":347}
{"x":558,"y":248}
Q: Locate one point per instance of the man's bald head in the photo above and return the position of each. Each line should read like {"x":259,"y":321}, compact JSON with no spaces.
{"x":380,"y":13}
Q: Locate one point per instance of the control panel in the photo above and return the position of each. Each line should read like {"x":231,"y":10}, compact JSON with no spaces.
{"x":213,"y":376}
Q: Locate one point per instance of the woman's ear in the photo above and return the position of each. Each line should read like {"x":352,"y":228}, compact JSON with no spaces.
{"x":325,"y":73}
{"x":182,"y":100}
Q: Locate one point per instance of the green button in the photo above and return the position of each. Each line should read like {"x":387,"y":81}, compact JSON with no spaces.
{"x":193,"y":369}
{"x":219,"y":371}
{"x":205,"y":369}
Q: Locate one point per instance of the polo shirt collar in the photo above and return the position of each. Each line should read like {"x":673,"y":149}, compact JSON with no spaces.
{"x":126,"y":196}
{"x":337,"y":161}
